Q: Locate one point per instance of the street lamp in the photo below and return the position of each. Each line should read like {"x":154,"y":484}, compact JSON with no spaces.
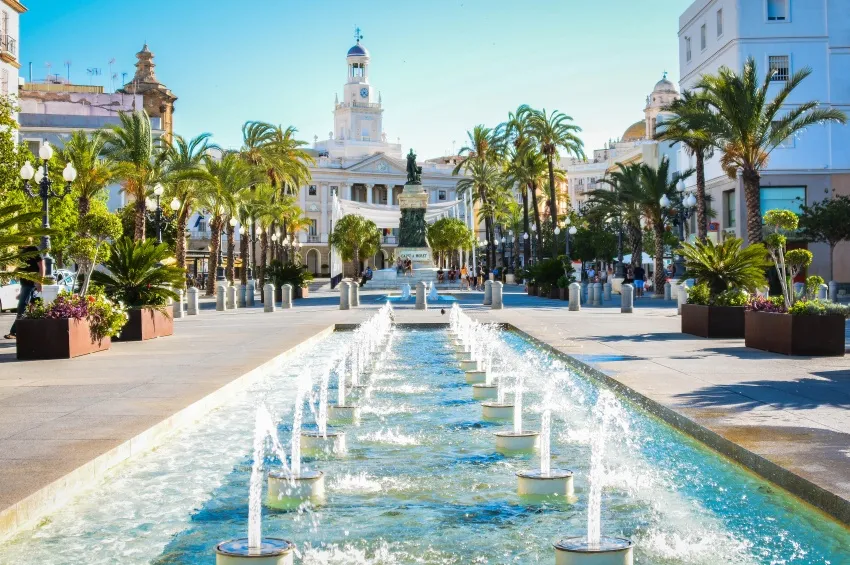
{"x":155,"y":208}
{"x":504,"y":249}
{"x":45,"y":192}
{"x":219,"y":270}
{"x":253,"y":238}
{"x":680,"y":216}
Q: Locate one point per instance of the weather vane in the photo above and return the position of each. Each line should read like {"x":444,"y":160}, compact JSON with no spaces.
{"x":357,"y":35}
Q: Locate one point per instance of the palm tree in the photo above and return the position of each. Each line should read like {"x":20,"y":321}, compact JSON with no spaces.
{"x":354,"y":236}
{"x":617,"y":203}
{"x":747,"y":127}
{"x":687,"y":126}
{"x":94,"y":172}
{"x":17,"y":231}
{"x":185,"y":178}
{"x":482,"y":178}
{"x":553,"y":131}
{"x":132,"y":147}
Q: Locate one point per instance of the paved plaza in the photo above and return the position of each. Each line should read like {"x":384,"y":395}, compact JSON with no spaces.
{"x":57,"y":416}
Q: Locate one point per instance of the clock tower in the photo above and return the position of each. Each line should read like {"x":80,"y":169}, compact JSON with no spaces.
{"x":358,"y":115}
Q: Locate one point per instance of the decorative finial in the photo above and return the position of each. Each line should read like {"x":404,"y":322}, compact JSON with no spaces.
{"x":357,"y":35}
{"x":665,"y":76}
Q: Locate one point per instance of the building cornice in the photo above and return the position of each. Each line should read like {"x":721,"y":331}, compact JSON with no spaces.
{"x":15,"y":5}
{"x":7,"y":58}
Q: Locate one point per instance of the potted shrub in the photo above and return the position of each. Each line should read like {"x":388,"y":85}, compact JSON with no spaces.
{"x":724,"y":274}
{"x":791,"y":324}
{"x":292,"y":274}
{"x":140,"y":276}
{"x":70,"y":326}
{"x":563,"y":287}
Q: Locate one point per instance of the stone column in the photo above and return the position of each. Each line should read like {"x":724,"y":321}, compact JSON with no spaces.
{"x":682,"y":296}
{"x":575,"y":297}
{"x":192,"y":306}
{"x":323,"y":202}
{"x":421,"y":296}
{"x":302,"y":197}
{"x":488,"y":293}
{"x":344,"y":296}
{"x":249,"y":293}
{"x":369,"y":197}
{"x":346,"y":191}
{"x":355,"y":294}
{"x":606,"y":291}
{"x":627,"y":299}
{"x":268,"y":295}
{"x":286,"y":296}
{"x":497,"y":303}
{"x":833,"y":290}
{"x":668,"y":291}
{"x":823,"y":292}
{"x":177,"y":310}
{"x":231,"y":297}
{"x":597,"y":294}
{"x":220,"y":291}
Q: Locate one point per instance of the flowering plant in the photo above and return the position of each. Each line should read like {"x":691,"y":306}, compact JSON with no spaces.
{"x":105,"y":317}
{"x":774,"y":304}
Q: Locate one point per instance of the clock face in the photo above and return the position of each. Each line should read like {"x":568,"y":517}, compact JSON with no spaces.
{"x":364,"y":93}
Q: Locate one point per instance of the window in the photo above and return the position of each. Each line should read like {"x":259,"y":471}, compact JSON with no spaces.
{"x":34,"y":146}
{"x":702,"y":34}
{"x":441,"y":195}
{"x":312,"y":227}
{"x":777,"y":10}
{"x":782,"y":198}
{"x":779,"y":67}
{"x":335,"y":190}
{"x":787,"y":142}
{"x":719,"y":22}
{"x":312,"y":190}
{"x":731,"y":208}
{"x":688,"y":49}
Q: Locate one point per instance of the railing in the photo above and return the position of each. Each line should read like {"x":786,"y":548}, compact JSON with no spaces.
{"x":9,"y":44}
{"x":199,"y":234}
{"x":61,"y":87}
{"x":391,"y":240}
{"x":314,"y":238}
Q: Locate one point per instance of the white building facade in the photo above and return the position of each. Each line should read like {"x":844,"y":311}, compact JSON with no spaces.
{"x":785,"y":35}
{"x":10,"y":11}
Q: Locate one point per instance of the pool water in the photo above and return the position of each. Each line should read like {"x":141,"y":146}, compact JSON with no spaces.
{"x":423,"y":484}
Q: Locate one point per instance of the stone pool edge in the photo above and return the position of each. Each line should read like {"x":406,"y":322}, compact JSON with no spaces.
{"x":27,"y":512}
{"x":835,"y":506}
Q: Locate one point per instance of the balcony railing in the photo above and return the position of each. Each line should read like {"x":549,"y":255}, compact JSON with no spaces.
{"x":9,"y":45}
{"x":314,"y":238}
{"x":391,"y":239}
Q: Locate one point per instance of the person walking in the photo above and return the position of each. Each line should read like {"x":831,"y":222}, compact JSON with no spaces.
{"x":464,"y":278}
{"x":640,"y":278}
{"x":35,"y":267}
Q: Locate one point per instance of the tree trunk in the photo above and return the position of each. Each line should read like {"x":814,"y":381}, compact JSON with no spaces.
{"x":702,"y":220}
{"x":215,"y":241}
{"x":635,"y":235}
{"x":356,"y":262}
{"x":752,"y":193}
{"x":264,"y":249}
{"x":231,"y":251}
{"x":537,"y":233}
{"x":243,"y":253}
{"x":832,"y":263}
{"x":526,"y":243}
{"x":180,"y":239}
{"x":139,"y":228}
{"x":83,"y":205}
{"x":553,"y":204}
{"x":659,"y":276}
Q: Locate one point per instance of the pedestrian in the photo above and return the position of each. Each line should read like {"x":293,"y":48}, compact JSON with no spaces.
{"x":464,"y":277}
{"x":640,"y":278}
{"x":36,"y":269}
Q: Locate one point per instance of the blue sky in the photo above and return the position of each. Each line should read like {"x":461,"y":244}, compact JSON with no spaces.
{"x":442,"y":66}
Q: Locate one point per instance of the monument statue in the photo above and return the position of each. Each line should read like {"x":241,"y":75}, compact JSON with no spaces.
{"x":414,"y":173}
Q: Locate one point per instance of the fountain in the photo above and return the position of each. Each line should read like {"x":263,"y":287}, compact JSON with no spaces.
{"x":486,"y":390}
{"x":405,"y":291}
{"x":596,"y":549}
{"x":546,"y":481}
{"x":323,"y":440}
{"x":499,"y":410}
{"x":517,"y":440}
{"x":342,"y":412}
{"x":433,"y":295}
{"x":255,"y":549}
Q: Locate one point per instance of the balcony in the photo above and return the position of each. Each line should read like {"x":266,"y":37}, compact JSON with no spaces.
{"x":314,"y":238}
{"x":391,"y":240}
{"x":9,"y":49}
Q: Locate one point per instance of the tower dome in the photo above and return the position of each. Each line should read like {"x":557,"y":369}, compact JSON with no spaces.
{"x":358,"y":51}
{"x":665,"y":85}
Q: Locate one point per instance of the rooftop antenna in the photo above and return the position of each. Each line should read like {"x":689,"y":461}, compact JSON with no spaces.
{"x":48,"y":65}
{"x":111,"y":74}
{"x":357,"y":35}
{"x":68,"y":70}
{"x":92,"y":72}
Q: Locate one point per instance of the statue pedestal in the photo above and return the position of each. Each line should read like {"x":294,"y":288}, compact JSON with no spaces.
{"x":412,"y":244}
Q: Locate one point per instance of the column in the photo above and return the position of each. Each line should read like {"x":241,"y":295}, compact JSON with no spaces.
{"x":302,"y":195}
{"x":369,"y":188}
{"x":323,"y":224}
{"x":346,"y":191}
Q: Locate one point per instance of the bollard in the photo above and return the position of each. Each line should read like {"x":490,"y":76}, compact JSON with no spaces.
{"x":833,"y":291}
{"x":606,"y":291}
{"x":668,"y":291}
{"x":241,"y":296}
{"x":421,"y":296}
{"x":231,"y":297}
{"x":575,"y":297}
{"x":627,"y":299}
{"x":268,"y":294}
{"x":682,"y":297}
{"x":220,"y":291}
{"x":584,"y":286}
{"x":496,"y":295}
{"x":249,"y":293}
{"x":286,"y":296}
{"x":355,"y":294}
{"x":823,"y":292}
{"x":488,"y":293}
{"x":192,"y":305}
{"x":344,"y":296}
{"x":596,"y":293}
{"x":351,"y":286}
{"x":177,"y":310}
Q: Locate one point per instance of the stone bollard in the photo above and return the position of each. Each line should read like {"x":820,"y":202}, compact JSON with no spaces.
{"x":682,"y":296}
{"x":344,"y":296}
{"x":584,"y":286}
{"x":192,"y":305}
{"x":497,"y":301}
{"x":220,"y":291}
{"x":241,"y":296}
{"x":575,"y":297}
{"x":286,"y":296}
{"x":177,"y":310}
{"x":833,"y":291}
{"x":421,"y":296}
{"x":606,"y":291}
{"x":668,"y":291}
{"x":249,"y":293}
{"x":627,"y":299}
{"x":597,"y":294}
{"x":231,"y":297}
{"x":823,"y":292}
{"x":268,"y":294}
{"x":488,"y":293}
{"x":355,"y":294}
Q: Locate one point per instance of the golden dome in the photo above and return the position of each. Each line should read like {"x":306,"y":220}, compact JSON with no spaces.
{"x":635,"y":131}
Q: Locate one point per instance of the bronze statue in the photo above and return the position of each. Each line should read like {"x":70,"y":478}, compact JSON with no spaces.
{"x":414,"y":173}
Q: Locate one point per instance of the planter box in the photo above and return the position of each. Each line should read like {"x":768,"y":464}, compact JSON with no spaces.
{"x":532,"y":290}
{"x":146,"y":323}
{"x":555,"y":293}
{"x":302,"y":292}
{"x":794,"y":335}
{"x":539,"y":290}
{"x":713,"y":321}
{"x":510,"y":278}
{"x":564,"y":293}
{"x":56,"y":339}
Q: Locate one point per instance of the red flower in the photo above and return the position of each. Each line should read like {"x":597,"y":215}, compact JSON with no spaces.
{"x":91,"y":298}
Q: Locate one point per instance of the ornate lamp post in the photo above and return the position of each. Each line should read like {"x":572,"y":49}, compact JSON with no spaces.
{"x":219,"y":269}
{"x":525,"y":238}
{"x":45,"y":192}
{"x":251,"y":235}
{"x":154,"y":207}
{"x":680,"y":216}
{"x":504,"y":249}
